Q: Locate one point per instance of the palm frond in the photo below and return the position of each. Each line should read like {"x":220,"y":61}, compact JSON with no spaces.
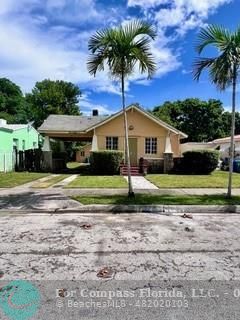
{"x":138,"y":27}
{"x":199,"y":65}
{"x":142,"y":53}
{"x":220,"y":73}
{"x":215,"y":35}
{"x":95,"y":63}
{"x":121,"y":48}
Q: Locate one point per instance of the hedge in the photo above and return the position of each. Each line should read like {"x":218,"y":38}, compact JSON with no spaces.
{"x":198,"y":162}
{"x":106,"y":162}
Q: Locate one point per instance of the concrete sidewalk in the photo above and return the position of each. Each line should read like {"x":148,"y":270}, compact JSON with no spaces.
{"x":56,"y":198}
{"x":53,"y":200}
{"x":197,"y":191}
{"x":139,"y":182}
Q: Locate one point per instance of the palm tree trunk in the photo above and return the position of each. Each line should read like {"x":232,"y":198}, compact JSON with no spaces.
{"x":127,"y":153}
{"x":229,"y":193}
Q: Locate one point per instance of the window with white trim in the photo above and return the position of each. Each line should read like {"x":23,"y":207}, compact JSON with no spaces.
{"x":112,"y":143}
{"x":150,"y":145}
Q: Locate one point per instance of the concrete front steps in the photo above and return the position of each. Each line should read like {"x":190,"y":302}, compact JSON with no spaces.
{"x":134,"y":171}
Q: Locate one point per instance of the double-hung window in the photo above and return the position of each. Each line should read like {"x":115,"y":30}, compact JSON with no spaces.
{"x":150,"y":145}
{"x":112,"y":143}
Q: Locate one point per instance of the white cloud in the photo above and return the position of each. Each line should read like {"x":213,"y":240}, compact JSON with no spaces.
{"x":9,"y":6}
{"x":27,"y":57}
{"x":86,"y":106}
{"x":78,"y":10}
{"x":48,"y":38}
{"x":183,"y":15}
{"x":202,"y":7}
{"x":146,"y":4}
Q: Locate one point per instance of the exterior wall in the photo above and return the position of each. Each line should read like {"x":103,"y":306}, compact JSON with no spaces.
{"x":7,"y":143}
{"x":29,"y":136}
{"x":143,"y":127}
{"x":86,"y":150}
{"x":6,"y":147}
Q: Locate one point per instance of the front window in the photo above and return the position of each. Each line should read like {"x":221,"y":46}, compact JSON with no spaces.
{"x":150,"y":145}
{"x":112,"y":143}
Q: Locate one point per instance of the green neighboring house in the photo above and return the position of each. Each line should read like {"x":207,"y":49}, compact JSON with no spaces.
{"x":15,"y":137}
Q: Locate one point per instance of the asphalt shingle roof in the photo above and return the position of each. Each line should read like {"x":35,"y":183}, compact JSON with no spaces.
{"x":70,"y":123}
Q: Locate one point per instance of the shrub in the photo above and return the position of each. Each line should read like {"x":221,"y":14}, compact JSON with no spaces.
{"x":198,"y":162}
{"x":106,"y":162}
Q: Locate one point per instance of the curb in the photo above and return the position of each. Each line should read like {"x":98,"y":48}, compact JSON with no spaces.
{"x":155,"y":209}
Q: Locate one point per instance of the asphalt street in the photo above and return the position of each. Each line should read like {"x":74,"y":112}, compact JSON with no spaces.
{"x":127,"y":252}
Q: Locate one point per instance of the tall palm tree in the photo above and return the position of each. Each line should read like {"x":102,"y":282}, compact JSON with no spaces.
{"x":223,"y":70}
{"x":121,"y":50}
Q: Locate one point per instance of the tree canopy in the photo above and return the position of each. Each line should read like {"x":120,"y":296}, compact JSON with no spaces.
{"x":200,"y":120}
{"x":53,"y":97}
{"x":13,"y":106}
{"x":47,"y":97}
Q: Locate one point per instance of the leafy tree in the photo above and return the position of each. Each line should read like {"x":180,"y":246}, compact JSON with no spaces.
{"x":53,"y":97}
{"x":122,"y":49}
{"x":13,"y":106}
{"x":223,"y":69}
{"x":200,"y":120}
{"x":227,"y":119}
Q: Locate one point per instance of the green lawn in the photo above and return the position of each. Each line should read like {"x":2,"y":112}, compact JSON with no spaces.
{"x":13,"y":179}
{"x":217,"y":179}
{"x":75,"y":165}
{"x":142,"y":199}
{"x":98,"y":182}
{"x":50,"y":182}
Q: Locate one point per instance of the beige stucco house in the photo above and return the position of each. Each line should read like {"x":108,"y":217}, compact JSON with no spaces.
{"x":149,"y":137}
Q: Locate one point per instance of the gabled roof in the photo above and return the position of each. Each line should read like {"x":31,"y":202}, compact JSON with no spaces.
{"x":67,"y":123}
{"x":84,"y":124}
{"x":145,"y":113}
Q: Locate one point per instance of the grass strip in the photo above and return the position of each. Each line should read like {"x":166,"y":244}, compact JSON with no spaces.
{"x":218,"y":179}
{"x":143,"y":199}
{"x":98,"y":182}
{"x":14,"y":179}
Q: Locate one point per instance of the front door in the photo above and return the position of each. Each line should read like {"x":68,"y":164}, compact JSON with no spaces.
{"x":133,"y":151}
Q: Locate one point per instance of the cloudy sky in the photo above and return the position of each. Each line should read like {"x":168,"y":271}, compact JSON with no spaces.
{"x":48,"y":39}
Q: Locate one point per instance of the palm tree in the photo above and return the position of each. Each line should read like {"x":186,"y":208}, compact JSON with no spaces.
{"x":121,"y":50}
{"x":223,"y":70}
